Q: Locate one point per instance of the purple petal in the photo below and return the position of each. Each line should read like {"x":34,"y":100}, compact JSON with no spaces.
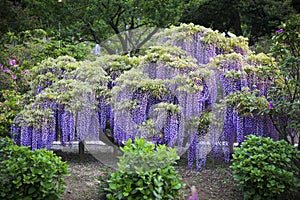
{"x":194,"y":194}
{"x":12,"y":62}
{"x":279,"y":31}
{"x":6,"y":70}
{"x":14,"y":76}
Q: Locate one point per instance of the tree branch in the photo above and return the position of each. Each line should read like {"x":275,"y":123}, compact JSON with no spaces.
{"x":147,"y":38}
{"x":96,"y":39}
{"x":121,"y":39}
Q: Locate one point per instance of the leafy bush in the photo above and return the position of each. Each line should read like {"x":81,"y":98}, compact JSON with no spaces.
{"x":34,"y":46}
{"x":285,"y":111}
{"x":9,"y":108}
{"x":247,"y":102}
{"x":266,"y":169}
{"x":27,"y":174}
{"x":145,"y":172}
{"x":5,"y":82}
{"x":5,"y":142}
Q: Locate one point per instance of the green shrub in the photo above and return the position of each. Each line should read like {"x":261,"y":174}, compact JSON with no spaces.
{"x":145,"y":173}
{"x":9,"y":109}
{"x":5,"y":143}
{"x":27,"y":174}
{"x":266,"y":169}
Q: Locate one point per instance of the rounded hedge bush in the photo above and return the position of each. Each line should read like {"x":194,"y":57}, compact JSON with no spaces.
{"x":145,"y":172}
{"x":27,"y":174}
{"x":266,"y":169}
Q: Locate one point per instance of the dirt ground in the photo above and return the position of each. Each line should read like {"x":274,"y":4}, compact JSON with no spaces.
{"x":214,"y":182}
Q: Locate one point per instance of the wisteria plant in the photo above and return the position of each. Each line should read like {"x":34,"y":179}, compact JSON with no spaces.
{"x":161,"y":95}
{"x":272,"y":92}
{"x":64,"y":103}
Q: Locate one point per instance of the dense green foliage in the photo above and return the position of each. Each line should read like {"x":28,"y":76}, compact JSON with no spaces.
{"x":246,"y":102}
{"x":250,"y":18}
{"x":27,"y":174}
{"x":32,"y":46}
{"x":14,"y":16}
{"x":21,"y":51}
{"x":261,"y":19}
{"x":9,"y":108}
{"x":93,"y":20}
{"x":266,"y":169}
{"x":205,"y":13}
{"x":145,"y":172}
{"x":285,"y":76}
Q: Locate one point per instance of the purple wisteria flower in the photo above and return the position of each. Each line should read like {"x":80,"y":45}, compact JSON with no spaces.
{"x":271,"y":106}
{"x":6,"y":70}
{"x":279,"y":31}
{"x":194,"y":194}
{"x":1,"y":66}
{"x":12,"y":62}
{"x":14,"y":76}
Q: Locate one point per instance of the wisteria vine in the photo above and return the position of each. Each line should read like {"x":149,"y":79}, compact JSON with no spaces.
{"x":169,"y":95}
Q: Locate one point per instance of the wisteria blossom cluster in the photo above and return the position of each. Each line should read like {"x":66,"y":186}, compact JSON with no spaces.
{"x":64,"y":105}
{"x":170,"y":95}
{"x":235,"y":68}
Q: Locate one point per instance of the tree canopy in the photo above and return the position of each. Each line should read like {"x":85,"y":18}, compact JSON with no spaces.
{"x":95,"y":20}
{"x":250,"y":18}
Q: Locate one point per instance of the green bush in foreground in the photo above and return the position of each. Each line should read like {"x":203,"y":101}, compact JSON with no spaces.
{"x":266,"y":169}
{"x":145,"y":173}
{"x":27,"y":174}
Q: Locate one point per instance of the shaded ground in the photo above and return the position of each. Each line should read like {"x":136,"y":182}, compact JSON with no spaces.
{"x":213,"y":182}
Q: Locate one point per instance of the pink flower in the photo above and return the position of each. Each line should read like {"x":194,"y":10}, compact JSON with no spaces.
{"x":194,"y":194}
{"x":279,"y":31}
{"x":271,"y":106}
{"x":12,"y":62}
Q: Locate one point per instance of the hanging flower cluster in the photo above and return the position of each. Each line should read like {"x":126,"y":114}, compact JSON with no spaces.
{"x":235,"y":68}
{"x":170,"y":95}
{"x":160,"y":98}
{"x":64,"y":105}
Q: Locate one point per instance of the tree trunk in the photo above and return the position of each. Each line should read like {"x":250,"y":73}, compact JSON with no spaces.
{"x":81,"y":148}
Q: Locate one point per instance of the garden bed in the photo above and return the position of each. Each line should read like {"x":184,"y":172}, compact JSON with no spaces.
{"x":213,"y":182}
